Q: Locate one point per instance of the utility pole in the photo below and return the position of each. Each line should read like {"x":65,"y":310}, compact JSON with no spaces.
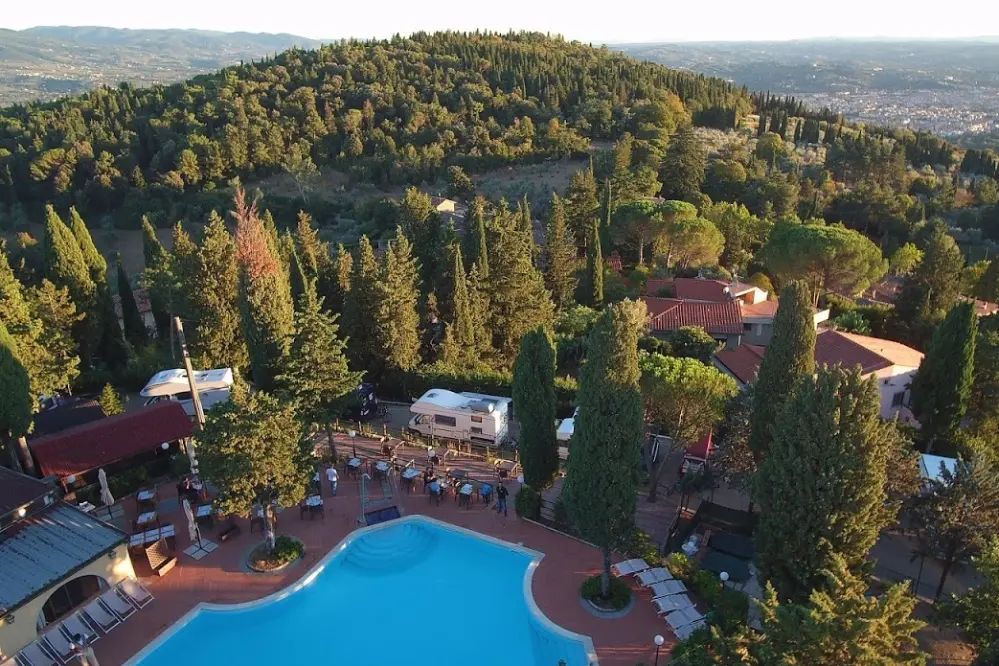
{"x":195,"y":397}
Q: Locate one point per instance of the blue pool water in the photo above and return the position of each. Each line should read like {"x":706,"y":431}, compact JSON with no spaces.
{"x":409,"y":591}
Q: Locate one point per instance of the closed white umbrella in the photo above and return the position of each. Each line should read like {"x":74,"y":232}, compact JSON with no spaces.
{"x":192,"y":526}
{"x":106,"y":497}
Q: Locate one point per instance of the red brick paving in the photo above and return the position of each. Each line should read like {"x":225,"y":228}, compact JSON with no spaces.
{"x":219,"y":578}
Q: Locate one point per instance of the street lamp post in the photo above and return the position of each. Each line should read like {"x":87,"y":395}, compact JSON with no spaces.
{"x":659,"y":640}
{"x":353,"y":443}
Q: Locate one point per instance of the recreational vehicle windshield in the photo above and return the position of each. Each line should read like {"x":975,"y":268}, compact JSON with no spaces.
{"x":214,"y":386}
{"x":461,"y":416}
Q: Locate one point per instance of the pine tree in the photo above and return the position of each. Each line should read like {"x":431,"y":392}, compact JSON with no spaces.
{"x":398,"y":321}
{"x":218,"y":340}
{"x":135,"y":328}
{"x":987,"y":288}
{"x":526,"y":224}
{"x":17,"y":403}
{"x":933,"y":288}
{"x":822,"y":489}
{"x":184,"y":266}
{"x":534,"y":401}
{"x":519,"y":301}
{"x":65,"y":265}
{"x":156,"y":277}
{"x":683,"y":167}
{"x":594,"y":283}
{"x":361,"y":307}
{"x":790,"y":357}
{"x":479,"y":312}
{"x":460,"y":331}
{"x":602,"y":478}
{"x":334,"y":280}
{"x":582,"y":205}
{"x":110,"y":401}
{"x":299,"y":278}
{"x":941,"y":389}
{"x":312,"y":252}
{"x":560,"y":267}
{"x":478,"y":252}
{"x":265,"y":300}
{"x":95,"y":262}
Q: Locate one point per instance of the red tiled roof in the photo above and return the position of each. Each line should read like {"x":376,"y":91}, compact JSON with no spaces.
{"x":655,"y":285}
{"x":141,"y":302}
{"x":831,"y":348}
{"x":761,"y":309}
{"x":669,"y":314}
{"x":92,"y":445}
{"x":701,"y":448}
{"x":695,"y":289}
{"x":984,"y":308}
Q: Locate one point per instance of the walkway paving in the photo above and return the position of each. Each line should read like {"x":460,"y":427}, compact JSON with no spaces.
{"x":220,"y":578}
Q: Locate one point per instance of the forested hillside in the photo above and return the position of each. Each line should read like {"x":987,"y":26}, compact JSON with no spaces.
{"x":389,"y":112}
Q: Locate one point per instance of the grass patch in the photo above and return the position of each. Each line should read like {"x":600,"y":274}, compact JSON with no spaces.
{"x":618,"y":597}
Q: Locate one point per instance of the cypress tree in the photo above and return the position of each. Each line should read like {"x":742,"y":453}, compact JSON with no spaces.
{"x":184,"y":267}
{"x":987,"y":288}
{"x":398,"y":321}
{"x":534,"y":401}
{"x":111,"y":346}
{"x":265,"y":300}
{"x":790,"y":357}
{"x":822,"y":488}
{"x":64,"y":262}
{"x":941,"y":389}
{"x":518,"y":299}
{"x":135,"y":328}
{"x":479,"y":312}
{"x":218,"y":339}
{"x":95,"y":262}
{"x":560,"y":267}
{"x":602,"y":478}
{"x":17,"y":403}
{"x":299,"y":278}
{"x":334,"y":280}
{"x":155,"y":279}
{"x":594,"y":284}
{"x":582,"y":207}
{"x":311,"y":251}
{"x":525,"y":224}
{"x":478,"y":250}
{"x":361,"y":307}
{"x":462,"y":324}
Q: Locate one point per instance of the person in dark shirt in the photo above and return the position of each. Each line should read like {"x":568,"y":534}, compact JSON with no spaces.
{"x":501,"y":494}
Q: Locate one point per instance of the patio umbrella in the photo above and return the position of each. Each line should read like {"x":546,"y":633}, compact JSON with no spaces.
{"x":106,"y":495}
{"x":192,"y":526}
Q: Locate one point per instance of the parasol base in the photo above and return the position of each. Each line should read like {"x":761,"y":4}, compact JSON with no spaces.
{"x":198,"y":551}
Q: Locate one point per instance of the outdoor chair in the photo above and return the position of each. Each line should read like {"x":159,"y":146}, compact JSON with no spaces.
{"x":77,"y":624}
{"x":36,"y":654}
{"x":667,"y":587}
{"x":161,"y":561}
{"x":629,"y":567}
{"x":673,"y":602}
{"x":58,"y":644}
{"x":135,"y":593}
{"x":117,"y":604}
{"x":653,"y":576}
{"x":100,"y":617}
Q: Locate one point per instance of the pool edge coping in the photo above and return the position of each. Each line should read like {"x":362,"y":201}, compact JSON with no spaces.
{"x":313,"y":573}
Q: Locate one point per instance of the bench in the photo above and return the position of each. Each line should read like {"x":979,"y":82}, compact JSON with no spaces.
{"x":160,"y":558}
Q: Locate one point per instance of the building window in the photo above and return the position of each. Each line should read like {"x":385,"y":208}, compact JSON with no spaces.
{"x":476,"y":431}
{"x":898,"y":399}
{"x":445,"y":420}
{"x":476,"y":419}
{"x":747,"y":327}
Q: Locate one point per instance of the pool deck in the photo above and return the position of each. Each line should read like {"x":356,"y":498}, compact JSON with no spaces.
{"x":221,"y":578}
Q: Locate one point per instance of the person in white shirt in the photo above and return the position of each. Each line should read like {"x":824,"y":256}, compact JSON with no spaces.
{"x":333,"y":478}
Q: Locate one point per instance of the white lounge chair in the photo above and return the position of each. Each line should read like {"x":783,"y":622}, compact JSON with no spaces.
{"x":77,"y":624}
{"x":673,"y":602}
{"x":629,"y":567}
{"x":117,"y":604}
{"x":653,"y":576}
{"x":667,"y":587}
{"x":57,"y":643}
{"x":36,"y":655}
{"x":683,"y":617}
{"x":135,"y":592}
{"x":684,"y":632}
{"x":100,"y":617}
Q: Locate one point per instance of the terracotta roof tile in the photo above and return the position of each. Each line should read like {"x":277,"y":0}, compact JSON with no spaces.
{"x":141,"y":302}
{"x":742,"y":361}
{"x":761,"y":309}
{"x":669,"y":314}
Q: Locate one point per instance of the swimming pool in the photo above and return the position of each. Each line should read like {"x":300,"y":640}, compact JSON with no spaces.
{"x":414,"y":590}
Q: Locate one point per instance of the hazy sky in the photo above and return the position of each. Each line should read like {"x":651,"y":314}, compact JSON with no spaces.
{"x":611,"y":22}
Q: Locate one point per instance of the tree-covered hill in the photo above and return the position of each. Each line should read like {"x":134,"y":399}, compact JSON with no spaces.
{"x":389,"y":112}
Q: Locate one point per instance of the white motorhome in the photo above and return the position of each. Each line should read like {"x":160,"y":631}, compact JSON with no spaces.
{"x":461,"y":416}
{"x":564,"y":433}
{"x":214,"y":386}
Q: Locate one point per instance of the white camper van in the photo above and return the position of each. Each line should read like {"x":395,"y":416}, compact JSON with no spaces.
{"x":564,"y":433}
{"x":214,"y":386}
{"x":461,"y":416}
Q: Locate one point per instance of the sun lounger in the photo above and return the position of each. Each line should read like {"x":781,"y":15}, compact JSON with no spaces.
{"x":36,"y":655}
{"x":684,"y":632}
{"x":667,"y":587}
{"x":652,"y":576}
{"x":683,"y":617}
{"x":629,"y":567}
{"x":100,"y":617}
{"x":673,"y":602}
{"x":117,"y":605}
{"x":77,"y":624}
{"x":58,"y":644}
{"x":135,"y":593}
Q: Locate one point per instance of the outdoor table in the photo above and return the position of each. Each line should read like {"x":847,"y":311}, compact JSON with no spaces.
{"x":436,"y":491}
{"x":146,"y":518}
{"x":409,"y":476}
{"x":465,"y":495}
{"x":315,"y":505}
{"x":204,"y":514}
{"x":145,"y":495}
{"x":381,"y":469}
{"x":353,"y":465}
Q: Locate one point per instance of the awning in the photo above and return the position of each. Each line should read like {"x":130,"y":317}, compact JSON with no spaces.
{"x":102,"y":442}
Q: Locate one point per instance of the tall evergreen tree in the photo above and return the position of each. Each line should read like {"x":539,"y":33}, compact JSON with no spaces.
{"x":218,"y":339}
{"x":593,"y":286}
{"x":299,"y":278}
{"x":398,"y":321}
{"x":265,"y":300}
{"x":602,"y":478}
{"x":312,"y":252}
{"x":518,"y":299}
{"x":334,"y":280}
{"x":65,"y":265}
{"x":17,"y":403}
{"x":95,"y":261}
{"x":683,"y":168}
{"x":155,"y":278}
{"x":461,"y":341}
{"x":933,"y":287}
{"x":111,"y":347}
{"x":361,"y":308}
{"x":941,"y":390}
{"x":790,"y":357}
{"x":184,"y":265}
{"x":534,"y":401}
{"x":822,"y":488}
{"x":135,"y":328}
{"x":987,"y":288}
{"x":560,"y":267}
{"x":582,"y":205}
{"x":478,"y":250}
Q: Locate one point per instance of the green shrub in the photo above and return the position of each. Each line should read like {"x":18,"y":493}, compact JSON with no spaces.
{"x":287,"y":549}
{"x":706,"y":585}
{"x":641,"y":545}
{"x":731,"y":609}
{"x":680,"y":565}
{"x":528,"y":503}
{"x":620,"y":593}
